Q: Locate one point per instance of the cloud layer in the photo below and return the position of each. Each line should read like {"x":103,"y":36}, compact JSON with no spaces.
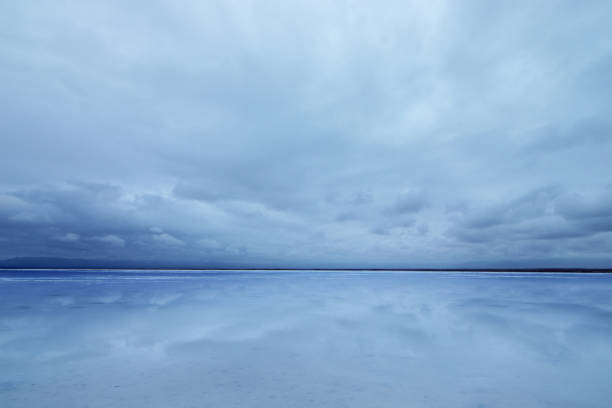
{"x":408,"y":133}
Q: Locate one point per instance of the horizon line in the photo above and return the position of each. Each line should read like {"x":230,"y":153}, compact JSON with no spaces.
{"x":543,"y":270}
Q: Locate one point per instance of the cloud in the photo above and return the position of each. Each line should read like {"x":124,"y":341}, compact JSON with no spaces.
{"x":69,"y":237}
{"x":578,"y":207}
{"x":335,"y":139}
{"x":547,"y":222}
{"x":595,"y":131}
{"x":167,"y":239}
{"x":407,"y":203}
{"x":112,"y":240}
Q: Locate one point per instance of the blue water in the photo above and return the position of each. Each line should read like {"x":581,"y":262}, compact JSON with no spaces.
{"x":304,"y":339}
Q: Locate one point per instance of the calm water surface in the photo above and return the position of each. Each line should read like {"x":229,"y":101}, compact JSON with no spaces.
{"x":304,"y":339}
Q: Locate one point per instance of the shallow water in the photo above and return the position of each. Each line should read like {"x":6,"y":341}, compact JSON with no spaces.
{"x":304,"y":339}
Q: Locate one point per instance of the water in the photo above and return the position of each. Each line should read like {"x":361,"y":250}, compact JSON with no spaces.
{"x":304,"y":339}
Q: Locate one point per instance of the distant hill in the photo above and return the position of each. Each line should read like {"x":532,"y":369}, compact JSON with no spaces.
{"x":70,"y":263}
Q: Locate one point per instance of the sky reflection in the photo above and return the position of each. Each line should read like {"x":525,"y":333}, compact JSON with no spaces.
{"x":282,"y":339}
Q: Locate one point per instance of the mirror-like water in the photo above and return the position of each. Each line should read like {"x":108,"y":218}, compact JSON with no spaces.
{"x":304,"y":339}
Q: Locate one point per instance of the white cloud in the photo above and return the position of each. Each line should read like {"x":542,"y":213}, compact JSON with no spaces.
{"x":167,"y":239}
{"x":112,"y":240}
{"x":69,"y":237}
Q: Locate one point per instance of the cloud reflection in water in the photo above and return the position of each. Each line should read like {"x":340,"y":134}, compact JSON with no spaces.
{"x":281,"y":339}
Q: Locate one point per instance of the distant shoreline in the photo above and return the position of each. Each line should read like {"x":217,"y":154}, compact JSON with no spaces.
{"x":526,"y":270}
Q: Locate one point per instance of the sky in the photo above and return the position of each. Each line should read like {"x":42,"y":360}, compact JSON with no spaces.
{"x":401,"y":133}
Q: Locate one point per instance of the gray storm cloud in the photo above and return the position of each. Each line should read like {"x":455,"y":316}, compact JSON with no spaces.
{"x":408,"y":133}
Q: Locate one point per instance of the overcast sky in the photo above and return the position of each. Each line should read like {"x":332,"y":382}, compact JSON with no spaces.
{"x":348,"y":132}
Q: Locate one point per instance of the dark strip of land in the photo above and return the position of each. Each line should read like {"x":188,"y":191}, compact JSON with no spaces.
{"x":41,"y":263}
{"x":542,"y":270}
